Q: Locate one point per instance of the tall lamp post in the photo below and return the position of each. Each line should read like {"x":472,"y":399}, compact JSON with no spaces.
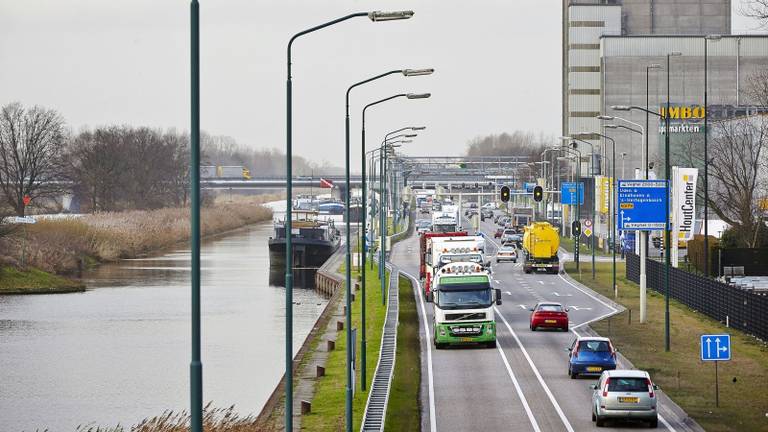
{"x":706,"y":153}
{"x":592,"y":174}
{"x":196,"y":364}
{"x":373,"y":16}
{"x":579,"y":196}
{"x":348,"y":272}
{"x":667,"y":169}
{"x":611,"y":210}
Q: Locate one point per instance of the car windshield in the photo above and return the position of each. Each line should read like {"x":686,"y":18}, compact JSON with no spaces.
{"x":444,"y":228}
{"x":619,"y":384}
{"x":594,"y":346}
{"x":550,"y":308}
{"x":507,"y":249}
{"x":464,"y":299}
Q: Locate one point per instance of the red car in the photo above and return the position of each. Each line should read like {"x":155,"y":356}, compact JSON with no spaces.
{"x":548,"y":314}
{"x":498,"y":233}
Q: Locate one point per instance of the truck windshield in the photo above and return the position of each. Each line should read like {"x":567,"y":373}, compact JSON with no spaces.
{"x":444,"y":228}
{"x":473,"y":297}
{"x":449,"y":258}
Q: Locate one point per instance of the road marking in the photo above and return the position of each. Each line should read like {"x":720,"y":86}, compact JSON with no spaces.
{"x":579,"y":308}
{"x":507,"y":293}
{"x":562,"y":295}
{"x":590,"y":295}
{"x":541,"y":282}
{"x":432,"y":425}
{"x":522,"y":306}
{"x":535,"y":370}
{"x":519,"y":390}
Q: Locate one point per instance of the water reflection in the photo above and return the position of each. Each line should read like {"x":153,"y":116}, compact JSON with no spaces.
{"x":119,"y":352}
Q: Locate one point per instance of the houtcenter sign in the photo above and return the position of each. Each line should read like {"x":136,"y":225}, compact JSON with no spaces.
{"x":684,"y":201}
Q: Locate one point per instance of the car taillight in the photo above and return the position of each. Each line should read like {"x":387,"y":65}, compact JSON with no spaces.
{"x":650,"y":387}
{"x":605,"y":389}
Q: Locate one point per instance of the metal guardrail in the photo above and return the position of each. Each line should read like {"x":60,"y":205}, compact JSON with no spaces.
{"x":378,"y":397}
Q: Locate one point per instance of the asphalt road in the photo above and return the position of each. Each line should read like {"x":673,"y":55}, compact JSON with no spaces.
{"x":523,"y":383}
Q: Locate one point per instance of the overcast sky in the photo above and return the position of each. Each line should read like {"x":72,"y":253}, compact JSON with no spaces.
{"x":127,"y":62}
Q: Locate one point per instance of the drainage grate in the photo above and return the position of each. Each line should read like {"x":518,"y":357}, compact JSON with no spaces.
{"x":376,"y":407}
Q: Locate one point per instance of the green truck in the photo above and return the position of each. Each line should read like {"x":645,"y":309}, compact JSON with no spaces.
{"x":463,"y":305}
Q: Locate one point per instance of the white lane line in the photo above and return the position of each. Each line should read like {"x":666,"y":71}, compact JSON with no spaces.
{"x":664,"y":421}
{"x":431,"y":379}
{"x":590,"y":295}
{"x":535,"y":370}
{"x":519,"y":390}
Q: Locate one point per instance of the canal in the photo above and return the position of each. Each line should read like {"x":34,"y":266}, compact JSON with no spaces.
{"x":119,"y":352}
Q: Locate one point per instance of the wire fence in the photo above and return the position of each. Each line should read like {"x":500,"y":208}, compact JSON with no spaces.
{"x":732,"y":306}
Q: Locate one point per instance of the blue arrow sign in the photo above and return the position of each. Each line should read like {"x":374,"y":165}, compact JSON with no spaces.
{"x":568,"y":193}
{"x":716,"y":347}
{"x":642,"y":204}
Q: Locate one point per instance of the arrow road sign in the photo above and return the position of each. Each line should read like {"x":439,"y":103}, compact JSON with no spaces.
{"x":716,"y":347}
{"x":642,"y":204}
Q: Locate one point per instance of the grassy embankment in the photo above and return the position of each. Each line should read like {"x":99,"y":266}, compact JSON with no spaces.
{"x":65,"y":246}
{"x":404,"y":408}
{"x":680,"y":373}
{"x":328,"y":402}
{"x":567,"y":244}
{"x":34,"y":281}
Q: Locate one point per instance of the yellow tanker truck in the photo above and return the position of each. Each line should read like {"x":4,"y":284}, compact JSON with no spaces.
{"x":540,"y":244}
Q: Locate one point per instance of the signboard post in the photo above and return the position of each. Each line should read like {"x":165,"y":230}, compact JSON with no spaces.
{"x":716,"y":348}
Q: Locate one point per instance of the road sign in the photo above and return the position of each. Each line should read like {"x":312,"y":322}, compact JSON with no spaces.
{"x":529,"y":187}
{"x":568,"y":193}
{"x":22,"y":219}
{"x":588,"y":232}
{"x":26,"y":200}
{"x":642,"y":204}
{"x":716,"y":347}
{"x":588,"y":223}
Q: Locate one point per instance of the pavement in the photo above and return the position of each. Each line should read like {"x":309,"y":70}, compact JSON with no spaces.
{"x":522,"y":384}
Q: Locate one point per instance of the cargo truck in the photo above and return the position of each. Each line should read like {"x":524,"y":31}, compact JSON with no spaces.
{"x":464,"y":301}
{"x":444,"y":250}
{"x":540,"y":244}
{"x":225,"y":172}
{"x":446,"y":220}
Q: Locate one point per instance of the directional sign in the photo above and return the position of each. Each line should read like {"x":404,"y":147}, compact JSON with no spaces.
{"x":22,"y":219}
{"x":568,"y":193}
{"x":642,"y":204}
{"x":716,"y":347}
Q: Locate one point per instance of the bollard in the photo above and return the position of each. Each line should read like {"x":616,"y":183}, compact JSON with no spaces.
{"x":352,"y":297}
{"x":357,"y":286}
{"x":339,"y":325}
{"x":319,"y":371}
{"x":629,"y":317}
{"x":306,"y":407}
{"x":330,"y":345}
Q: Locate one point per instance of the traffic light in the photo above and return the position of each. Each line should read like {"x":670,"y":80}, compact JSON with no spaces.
{"x":576,"y":228}
{"x":538,"y":193}
{"x":505,"y":193}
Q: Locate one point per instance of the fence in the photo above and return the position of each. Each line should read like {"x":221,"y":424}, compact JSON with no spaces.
{"x":743,"y":310}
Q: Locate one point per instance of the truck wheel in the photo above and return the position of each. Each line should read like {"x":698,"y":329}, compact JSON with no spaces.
{"x":430,"y":296}
{"x":490,"y":344}
{"x":527,"y":271}
{"x":653,"y":424}
{"x":439,"y":345}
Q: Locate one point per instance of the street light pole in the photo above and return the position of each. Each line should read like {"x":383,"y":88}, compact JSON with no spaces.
{"x":373,"y":16}
{"x":706,"y":153}
{"x":611,"y":208}
{"x":361,"y":261}
{"x":196,"y":364}
{"x":592,"y":174}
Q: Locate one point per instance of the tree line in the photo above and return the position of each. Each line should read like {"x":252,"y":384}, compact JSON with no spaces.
{"x":110,"y":168}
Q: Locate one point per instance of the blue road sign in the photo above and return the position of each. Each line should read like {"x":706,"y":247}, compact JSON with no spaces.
{"x":716,"y":347}
{"x":568,"y":193}
{"x":529,"y":187}
{"x":642,"y":204}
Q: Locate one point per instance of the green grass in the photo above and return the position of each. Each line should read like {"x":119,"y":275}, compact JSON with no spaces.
{"x":567,"y":244}
{"x":680,"y":373}
{"x":34,"y":281}
{"x":328,"y":402}
{"x":403,"y":409}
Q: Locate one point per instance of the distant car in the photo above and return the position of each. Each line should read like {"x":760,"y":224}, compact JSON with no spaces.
{"x":498,"y":233}
{"x":549,"y":314}
{"x":423,"y":226}
{"x":486,"y":213}
{"x":507,"y":235}
{"x":517,"y":239}
{"x":489,"y":206}
{"x":425,"y":209}
{"x":497,"y":217}
{"x":590,"y":356}
{"x":506,"y":253}
{"x":625,"y":395}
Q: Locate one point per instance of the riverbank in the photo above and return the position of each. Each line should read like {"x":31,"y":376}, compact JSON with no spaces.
{"x":64,"y":247}
{"x":680,"y":373}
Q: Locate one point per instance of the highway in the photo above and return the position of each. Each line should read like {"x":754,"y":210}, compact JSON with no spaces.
{"x":522,"y":384}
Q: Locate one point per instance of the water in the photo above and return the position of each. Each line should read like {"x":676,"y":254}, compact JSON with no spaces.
{"x":120,"y":351}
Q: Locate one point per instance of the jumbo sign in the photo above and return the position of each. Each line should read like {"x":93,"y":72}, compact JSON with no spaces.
{"x":683,"y":112}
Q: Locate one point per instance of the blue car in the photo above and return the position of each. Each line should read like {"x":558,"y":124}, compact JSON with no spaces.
{"x":590,"y":356}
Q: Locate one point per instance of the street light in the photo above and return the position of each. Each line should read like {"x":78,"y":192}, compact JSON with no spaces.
{"x":592,"y":174}
{"x":578,"y":197}
{"x":611,"y":210}
{"x":706,"y":154}
{"x":348,"y":270}
{"x":373,"y":16}
{"x":667,"y":169}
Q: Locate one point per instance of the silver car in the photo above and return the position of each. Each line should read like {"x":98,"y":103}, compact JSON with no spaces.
{"x":626,"y":395}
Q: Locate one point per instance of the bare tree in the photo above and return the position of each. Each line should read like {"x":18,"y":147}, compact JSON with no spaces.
{"x":757,"y":9}
{"x":31,"y":148}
